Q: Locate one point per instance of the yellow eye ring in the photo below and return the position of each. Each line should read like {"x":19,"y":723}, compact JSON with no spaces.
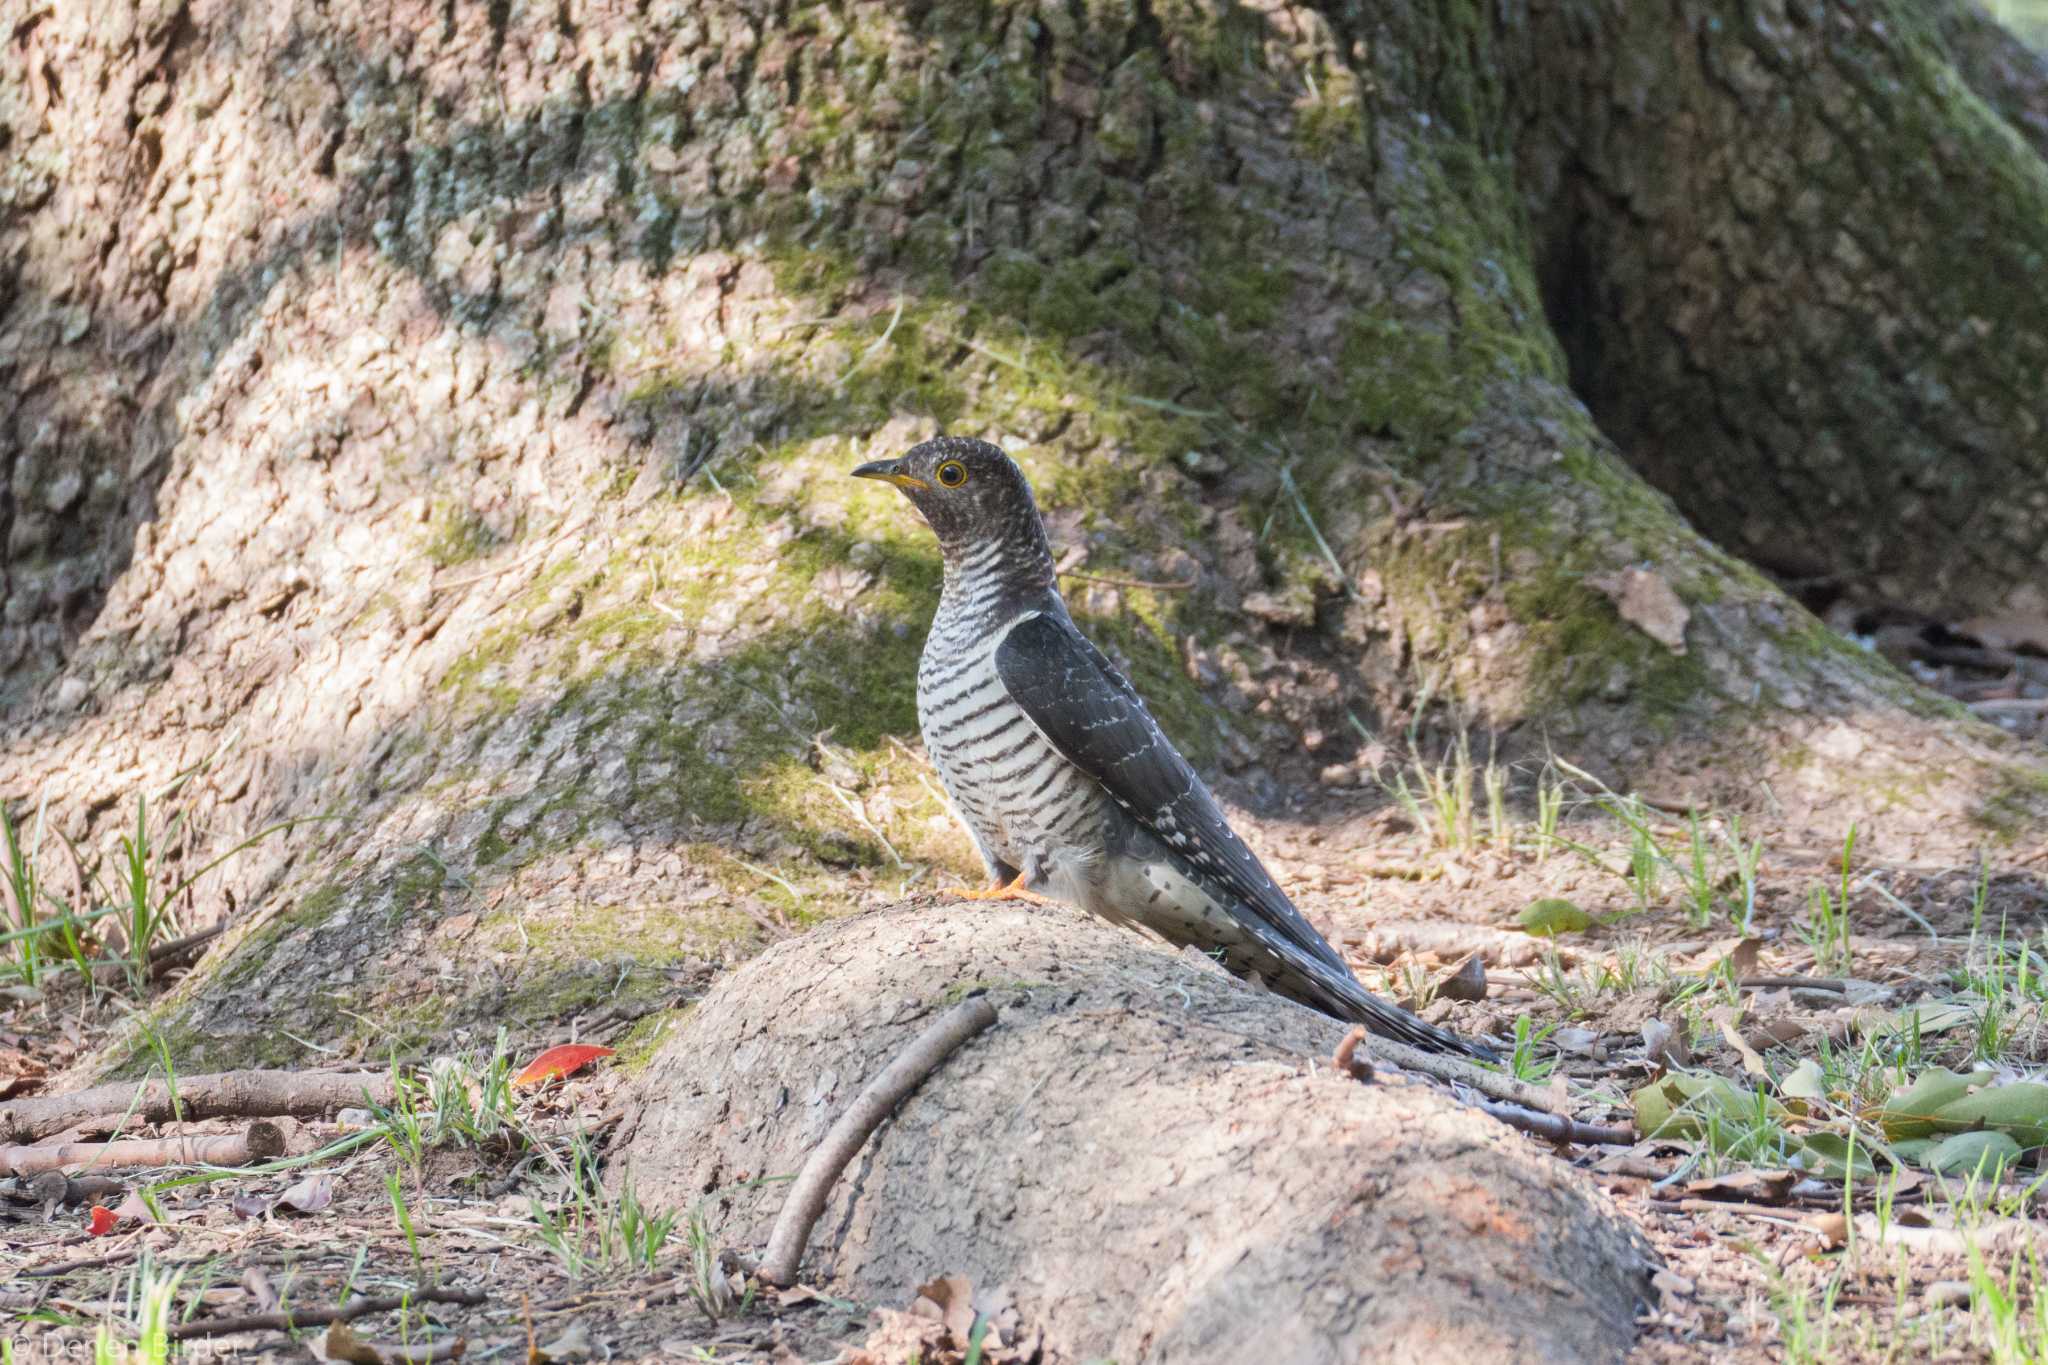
{"x":952,"y":474}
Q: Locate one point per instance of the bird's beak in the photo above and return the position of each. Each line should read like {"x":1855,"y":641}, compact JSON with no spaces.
{"x":889,"y":471}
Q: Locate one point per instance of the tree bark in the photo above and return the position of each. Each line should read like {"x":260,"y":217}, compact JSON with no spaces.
{"x":431,"y":418}
{"x":1145,"y":1158}
{"x":1795,"y":256}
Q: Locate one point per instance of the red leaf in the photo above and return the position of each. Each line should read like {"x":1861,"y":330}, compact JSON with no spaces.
{"x":560,"y":1060}
{"x":102,"y":1222}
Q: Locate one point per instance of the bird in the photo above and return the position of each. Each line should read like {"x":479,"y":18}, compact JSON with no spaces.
{"x":1068,"y":786}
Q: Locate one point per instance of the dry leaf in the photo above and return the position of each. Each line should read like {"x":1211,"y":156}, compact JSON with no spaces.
{"x":133,"y":1209}
{"x":572,"y":1344}
{"x":1723,"y":1018}
{"x":1741,"y":959}
{"x":1665,"y":1046}
{"x":310,"y":1195}
{"x":947,"y":1300}
{"x":1831,"y":1228}
{"x":561,"y":1060}
{"x":1648,"y":603}
{"x":258,"y":1287}
{"x":338,"y":1343}
{"x":1745,"y":1187}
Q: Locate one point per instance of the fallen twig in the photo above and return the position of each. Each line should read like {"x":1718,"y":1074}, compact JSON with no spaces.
{"x":821,"y":1169}
{"x":1810,"y":983}
{"x":55,"y":1187}
{"x":1347,"y":1060}
{"x":166,"y":956}
{"x":62,"y":1268}
{"x":227,"y":1094}
{"x":1456,"y":1070}
{"x":1783,"y":1213}
{"x":1991,"y":1237}
{"x":285,"y":1319}
{"x":260,"y":1141}
{"x":1558,"y":1127}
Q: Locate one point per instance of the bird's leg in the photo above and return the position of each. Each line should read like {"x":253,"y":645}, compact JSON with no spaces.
{"x":1012,"y":890}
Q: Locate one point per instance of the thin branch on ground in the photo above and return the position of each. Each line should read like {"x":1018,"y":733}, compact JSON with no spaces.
{"x":924,"y":1055}
{"x":227,"y":1094}
{"x":260,"y":1141}
{"x":1457,"y":1071}
{"x":284,"y":1320}
{"x":1558,"y":1127}
{"x":55,"y":1187}
{"x":1347,"y":1060}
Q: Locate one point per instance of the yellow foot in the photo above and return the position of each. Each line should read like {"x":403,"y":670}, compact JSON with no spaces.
{"x":1012,"y":890}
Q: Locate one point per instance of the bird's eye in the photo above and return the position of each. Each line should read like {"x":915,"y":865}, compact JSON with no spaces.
{"x":952,"y":473}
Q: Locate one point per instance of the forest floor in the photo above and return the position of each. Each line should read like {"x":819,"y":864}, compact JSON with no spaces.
{"x":1829,"y":1057}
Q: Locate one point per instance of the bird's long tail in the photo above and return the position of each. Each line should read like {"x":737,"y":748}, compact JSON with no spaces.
{"x":1342,"y":996}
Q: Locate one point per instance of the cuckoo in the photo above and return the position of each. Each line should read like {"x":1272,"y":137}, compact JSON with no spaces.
{"x":1068,"y":786}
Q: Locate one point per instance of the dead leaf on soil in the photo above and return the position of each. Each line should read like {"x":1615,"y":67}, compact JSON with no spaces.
{"x":572,"y":1344}
{"x":133,"y":1209}
{"x":338,"y":1343}
{"x":1741,"y":959}
{"x":1665,"y":1046}
{"x":310,"y":1195}
{"x":1927,"y":1017}
{"x":1723,"y":1017}
{"x":564,"y":1059}
{"x":1648,"y":603}
{"x":947,"y":1300}
{"x":1745,"y":1187}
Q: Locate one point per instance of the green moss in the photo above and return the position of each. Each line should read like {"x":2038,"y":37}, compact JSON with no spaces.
{"x":456,"y":535}
{"x":416,"y":887}
{"x":960,"y":990}
{"x":2018,"y":803}
{"x":313,"y":908}
{"x":643,"y":1041}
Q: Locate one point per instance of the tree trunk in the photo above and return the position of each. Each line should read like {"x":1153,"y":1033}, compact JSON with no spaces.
{"x":1796,"y":257}
{"x":1070,"y":1162}
{"x":432,"y":419}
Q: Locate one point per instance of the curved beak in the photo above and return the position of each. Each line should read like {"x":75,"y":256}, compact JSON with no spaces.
{"x":889,"y":471}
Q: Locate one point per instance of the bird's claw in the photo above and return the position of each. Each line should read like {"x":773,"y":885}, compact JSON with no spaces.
{"x":1012,"y":890}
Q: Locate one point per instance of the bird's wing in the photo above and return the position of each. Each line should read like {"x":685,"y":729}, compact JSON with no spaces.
{"x":1094,"y":717}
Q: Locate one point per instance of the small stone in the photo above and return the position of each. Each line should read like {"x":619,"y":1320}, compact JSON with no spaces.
{"x":1295,"y":609}
{"x":1947,"y":1294}
{"x":1337,"y":775}
{"x":71,"y":694}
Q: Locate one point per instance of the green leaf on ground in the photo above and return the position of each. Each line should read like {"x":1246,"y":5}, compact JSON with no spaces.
{"x":1806,"y":1082}
{"x":1553,"y":915}
{"x":1909,"y":1112}
{"x":2021,"y":1110}
{"x":1985,"y":1153}
{"x":1677,"y":1105}
{"x":1833,"y":1156}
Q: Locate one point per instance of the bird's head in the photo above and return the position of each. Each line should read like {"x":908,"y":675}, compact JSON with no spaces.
{"x":969,"y":491}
